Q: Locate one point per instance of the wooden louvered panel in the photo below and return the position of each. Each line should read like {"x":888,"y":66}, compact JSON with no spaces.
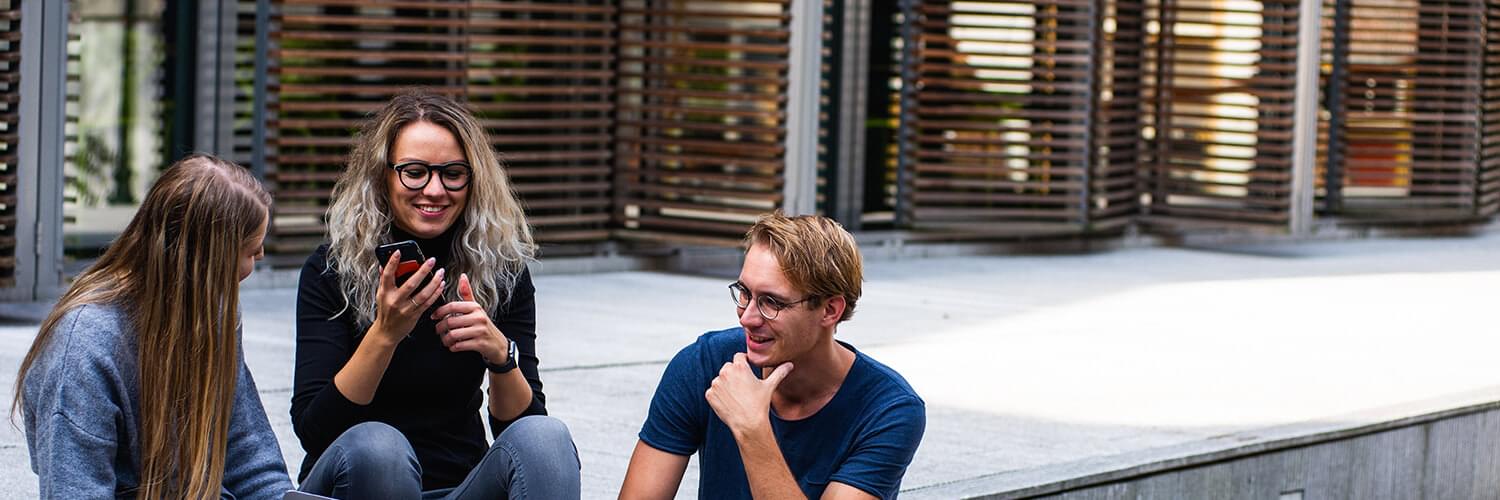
{"x":1408,"y":110}
{"x":537,"y":75}
{"x":1116,"y":134}
{"x":1005,"y":115}
{"x":244,"y":84}
{"x":75,"y":188}
{"x":10,"y":91}
{"x":556,"y":53}
{"x":700,"y":141}
{"x":307,"y":144}
{"x":1488,"y":197}
{"x":1220,"y":77}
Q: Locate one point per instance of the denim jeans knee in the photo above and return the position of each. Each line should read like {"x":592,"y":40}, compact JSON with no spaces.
{"x":376,"y":442}
{"x":533,"y":458}
{"x":538,"y":432}
{"x":369,"y":460}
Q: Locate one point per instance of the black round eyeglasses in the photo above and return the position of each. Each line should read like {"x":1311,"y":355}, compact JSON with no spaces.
{"x":415,"y":175}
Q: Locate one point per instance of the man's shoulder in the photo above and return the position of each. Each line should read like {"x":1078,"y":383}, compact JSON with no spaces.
{"x":719,"y":344}
{"x":706,"y":352}
{"x":883,"y":385}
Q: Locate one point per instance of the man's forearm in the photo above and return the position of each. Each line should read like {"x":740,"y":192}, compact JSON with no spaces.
{"x":765,"y":467}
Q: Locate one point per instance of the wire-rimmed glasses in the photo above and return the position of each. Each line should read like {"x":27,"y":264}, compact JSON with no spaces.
{"x":769,"y":306}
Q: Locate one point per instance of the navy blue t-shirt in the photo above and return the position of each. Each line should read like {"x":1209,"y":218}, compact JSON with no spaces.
{"x":865,"y":437}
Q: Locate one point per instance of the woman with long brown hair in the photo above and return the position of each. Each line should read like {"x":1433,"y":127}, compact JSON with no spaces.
{"x":136,"y":384}
{"x":386,"y":396}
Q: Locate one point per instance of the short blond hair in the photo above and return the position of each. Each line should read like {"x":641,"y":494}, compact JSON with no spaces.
{"x":816,"y":254}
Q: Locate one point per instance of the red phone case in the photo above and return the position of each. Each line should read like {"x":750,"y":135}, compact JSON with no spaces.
{"x":407,"y":267}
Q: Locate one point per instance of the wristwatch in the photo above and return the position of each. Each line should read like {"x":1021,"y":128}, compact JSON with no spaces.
{"x":508,"y":365}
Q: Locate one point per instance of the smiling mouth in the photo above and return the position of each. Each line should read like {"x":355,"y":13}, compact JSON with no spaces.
{"x":759,"y":339}
{"x":431,"y":209}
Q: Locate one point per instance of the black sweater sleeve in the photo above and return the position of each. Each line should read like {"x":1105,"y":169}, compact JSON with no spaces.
{"x":518,"y":323}
{"x":325,"y":342}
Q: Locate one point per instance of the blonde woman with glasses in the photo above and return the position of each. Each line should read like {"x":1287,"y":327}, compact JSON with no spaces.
{"x":136,"y":384}
{"x":391,"y":354}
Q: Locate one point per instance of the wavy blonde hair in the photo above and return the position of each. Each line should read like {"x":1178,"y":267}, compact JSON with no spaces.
{"x":174,"y":272}
{"x":493,"y":244}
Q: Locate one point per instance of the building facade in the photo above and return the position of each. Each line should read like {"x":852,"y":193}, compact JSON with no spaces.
{"x":634,"y":123}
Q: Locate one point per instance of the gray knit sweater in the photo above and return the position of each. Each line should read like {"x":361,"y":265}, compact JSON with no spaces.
{"x":82,"y":416}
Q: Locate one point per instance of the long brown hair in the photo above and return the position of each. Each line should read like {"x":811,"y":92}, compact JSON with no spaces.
{"x":174,"y":273}
{"x":493,"y":243}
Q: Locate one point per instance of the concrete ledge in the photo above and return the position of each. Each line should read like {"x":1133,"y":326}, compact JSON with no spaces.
{"x":1127,"y":475}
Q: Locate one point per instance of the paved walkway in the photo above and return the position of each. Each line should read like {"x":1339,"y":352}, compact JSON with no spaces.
{"x":1033,"y":367}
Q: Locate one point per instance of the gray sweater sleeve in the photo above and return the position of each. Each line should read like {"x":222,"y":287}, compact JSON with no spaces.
{"x":253,"y":467}
{"x":71,"y":461}
{"x":81,"y":417}
{"x":73,"y":412}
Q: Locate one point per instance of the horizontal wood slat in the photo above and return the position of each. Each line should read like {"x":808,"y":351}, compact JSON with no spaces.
{"x":1015,"y":113}
{"x":538,"y":74}
{"x":1487,"y":196}
{"x":1409,"y":110}
{"x":665,"y":120}
{"x":1219,"y":78}
{"x":10,"y":90}
{"x":701,"y":116}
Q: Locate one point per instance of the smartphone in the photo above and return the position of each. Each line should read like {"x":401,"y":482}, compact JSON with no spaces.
{"x":411,"y":257}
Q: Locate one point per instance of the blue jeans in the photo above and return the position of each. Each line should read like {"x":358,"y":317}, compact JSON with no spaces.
{"x":533,"y":458}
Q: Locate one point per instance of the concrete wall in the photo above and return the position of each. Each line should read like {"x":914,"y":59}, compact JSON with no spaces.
{"x":1451,"y":458}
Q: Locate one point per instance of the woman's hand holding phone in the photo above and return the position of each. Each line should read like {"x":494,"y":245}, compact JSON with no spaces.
{"x":400,"y":306}
{"x":463,"y":325}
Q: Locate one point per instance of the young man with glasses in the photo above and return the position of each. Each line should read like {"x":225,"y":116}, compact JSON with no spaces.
{"x":777,"y":408}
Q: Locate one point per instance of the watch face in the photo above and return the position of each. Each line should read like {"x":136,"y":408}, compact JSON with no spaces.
{"x":510,"y":361}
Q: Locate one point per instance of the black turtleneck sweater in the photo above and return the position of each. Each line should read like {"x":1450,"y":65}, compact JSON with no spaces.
{"x":431,"y":395}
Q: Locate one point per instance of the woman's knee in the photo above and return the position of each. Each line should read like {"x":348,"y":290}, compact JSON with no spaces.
{"x":537,"y":431}
{"x":369,"y":460}
{"x":377,"y":447}
{"x":540,"y":439}
{"x":535,"y":458}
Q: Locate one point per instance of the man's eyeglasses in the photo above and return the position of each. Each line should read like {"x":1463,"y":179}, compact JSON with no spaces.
{"x":768,"y":306}
{"x":415,"y":175}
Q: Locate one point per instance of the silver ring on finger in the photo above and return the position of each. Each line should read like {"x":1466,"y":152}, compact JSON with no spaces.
{"x":413,"y":302}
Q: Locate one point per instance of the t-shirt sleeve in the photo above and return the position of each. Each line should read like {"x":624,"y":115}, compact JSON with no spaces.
{"x":884,"y":448}
{"x":678,"y":416}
